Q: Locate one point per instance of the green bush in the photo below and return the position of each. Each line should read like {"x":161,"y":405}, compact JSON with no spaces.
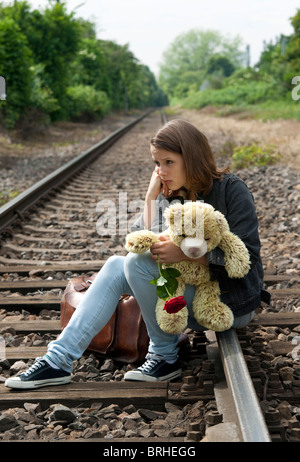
{"x":41,"y":94}
{"x":86,"y":103}
{"x":254,"y":155}
{"x":248,"y":93}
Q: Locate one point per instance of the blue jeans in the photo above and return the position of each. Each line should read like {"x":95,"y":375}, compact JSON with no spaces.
{"x":121,"y":275}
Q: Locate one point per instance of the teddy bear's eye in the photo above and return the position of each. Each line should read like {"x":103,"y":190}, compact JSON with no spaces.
{"x":206,"y":238}
{"x":183,"y":235}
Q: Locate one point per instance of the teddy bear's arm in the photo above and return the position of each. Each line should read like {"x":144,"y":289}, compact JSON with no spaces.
{"x":140,"y":241}
{"x":236,"y":255}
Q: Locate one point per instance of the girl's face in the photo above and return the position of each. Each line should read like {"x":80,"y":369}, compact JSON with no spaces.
{"x":170,"y":167}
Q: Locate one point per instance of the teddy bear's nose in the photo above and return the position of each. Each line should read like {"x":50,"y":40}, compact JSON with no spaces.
{"x":193,"y":247}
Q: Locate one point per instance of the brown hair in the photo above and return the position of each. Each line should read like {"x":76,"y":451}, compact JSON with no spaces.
{"x":182,"y":137}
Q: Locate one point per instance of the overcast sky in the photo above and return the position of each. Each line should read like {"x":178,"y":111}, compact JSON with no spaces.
{"x":149,"y":26}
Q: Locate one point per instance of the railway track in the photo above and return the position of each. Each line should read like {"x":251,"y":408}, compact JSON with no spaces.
{"x":50,"y":234}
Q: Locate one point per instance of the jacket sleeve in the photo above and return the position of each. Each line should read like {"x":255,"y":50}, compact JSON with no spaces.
{"x":242,"y":221}
{"x":158,"y":224}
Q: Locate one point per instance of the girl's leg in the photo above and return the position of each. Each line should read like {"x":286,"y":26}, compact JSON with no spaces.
{"x":243,"y":321}
{"x":139,"y":270}
{"x":91,"y":315}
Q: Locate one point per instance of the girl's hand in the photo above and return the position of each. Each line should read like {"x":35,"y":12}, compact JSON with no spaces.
{"x":156,"y":186}
{"x":169,"y":253}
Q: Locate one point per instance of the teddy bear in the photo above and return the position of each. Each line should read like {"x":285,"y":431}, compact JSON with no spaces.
{"x":197,"y":228}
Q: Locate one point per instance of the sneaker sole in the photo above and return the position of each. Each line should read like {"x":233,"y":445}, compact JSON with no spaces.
{"x":140,"y":377}
{"x":23,"y":385}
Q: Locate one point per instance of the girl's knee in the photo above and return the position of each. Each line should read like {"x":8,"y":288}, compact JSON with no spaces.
{"x":139,"y":263}
{"x":130,"y":264}
{"x":115,"y":264}
{"x":243,"y":321}
{"x":132,"y":260}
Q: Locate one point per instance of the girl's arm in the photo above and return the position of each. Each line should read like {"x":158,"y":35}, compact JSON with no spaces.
{"x":155,"y":187}
{"x":168,"y":252}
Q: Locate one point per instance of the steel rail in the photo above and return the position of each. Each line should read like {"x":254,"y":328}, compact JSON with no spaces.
{"x":250,"y":417}
{"x":164,"y":118}
{"x":16,"y":207}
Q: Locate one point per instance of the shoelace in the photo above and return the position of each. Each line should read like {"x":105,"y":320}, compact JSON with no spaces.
{"x":149,"y":364}
{"x":39,"y":362}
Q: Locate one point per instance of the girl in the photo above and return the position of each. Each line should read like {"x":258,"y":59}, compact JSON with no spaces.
{"x":184,"y":169}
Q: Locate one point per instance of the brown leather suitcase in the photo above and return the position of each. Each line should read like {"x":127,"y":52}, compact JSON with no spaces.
{"x":124,"y":338}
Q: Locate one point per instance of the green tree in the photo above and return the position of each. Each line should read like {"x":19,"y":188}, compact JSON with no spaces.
{"x":150,"y":93}
{"x":292,"y":53}
{"x":53,"y":37}
{"x":90,"y":65}
{"x":218,"y":63}
{"x":55,"y":66}
{"x":54,"y":44}
{"x":281,"y":59}
{"x":15,"y":67}
{"x":122,"y":69}
{"x":186,"y":61}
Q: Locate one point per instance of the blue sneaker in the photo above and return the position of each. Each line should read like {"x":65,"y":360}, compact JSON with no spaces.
{"x":40,"y":374}
{"x":154,"y":370}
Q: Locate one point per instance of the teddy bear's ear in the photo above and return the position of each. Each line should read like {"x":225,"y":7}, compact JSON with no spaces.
{"x":172,"y":213}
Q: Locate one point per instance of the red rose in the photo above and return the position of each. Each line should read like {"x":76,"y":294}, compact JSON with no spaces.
{"x":175,"y":304}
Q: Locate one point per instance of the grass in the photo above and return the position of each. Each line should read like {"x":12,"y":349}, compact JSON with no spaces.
{"x":6,"y":197}
{"x":269,"y":110}
{"x":253,"y":155}
{"x":246,"y":101}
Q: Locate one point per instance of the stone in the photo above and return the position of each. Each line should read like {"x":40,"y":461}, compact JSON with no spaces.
{"x":286,"y":373}
{"x":18,"y":366}
{"x":163,"y":432}
{"x":7,"y":421}
{"x":178,"y":431}
{"x":17,"y":433}
{"x":130,"y":409}
{"x":131,"y":434}
{"x":90,"y":433}
{"x":175,"y":417}
{"x":107,"y":366}
{"x":118,"y":433}
{"x":32,"y":435}
{"x":146,"y":432}
{"x":33,"y":408}
{"x":284,"y":410}
{"x":130,"y":424}
{"x":4,"y":363}
{"x":112,"y":408}
{"x":62,"y":413}
{"x":47,"y":434}
{"x":170,"y":407}
{"x":148,"y":415}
